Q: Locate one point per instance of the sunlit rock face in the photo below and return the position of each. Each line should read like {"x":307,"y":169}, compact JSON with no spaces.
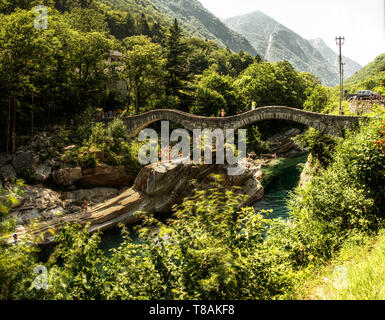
{"x":157,"y":188}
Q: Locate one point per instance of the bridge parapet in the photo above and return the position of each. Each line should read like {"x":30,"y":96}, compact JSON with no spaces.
{"x":330,"y":124}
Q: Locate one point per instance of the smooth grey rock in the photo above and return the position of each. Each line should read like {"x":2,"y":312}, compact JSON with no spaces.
{"x":66,"y":177}
{"x":4,"y":159}
{"x":94,"y":195}
{"x":25,"y":160}
{"x":43,"y":173}
{"x":8,"y":172}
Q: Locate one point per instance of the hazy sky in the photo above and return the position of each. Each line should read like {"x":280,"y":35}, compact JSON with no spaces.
{"x":361,"y":22}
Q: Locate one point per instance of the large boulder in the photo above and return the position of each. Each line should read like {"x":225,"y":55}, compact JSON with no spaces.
{"x":283,"y":143}
{"x":157,"y":189}
{"x":95,"y":195}
{"x":25,"y":160}
{"x":8,"y":172}
{"x":67,"y":177}
{"x":43,"y":173}
{"x":38,"y":204}
{"x":42,"y":204}
{"x":5,"y":159}
{"x":105,"y":176}
{"x":101,"y":176}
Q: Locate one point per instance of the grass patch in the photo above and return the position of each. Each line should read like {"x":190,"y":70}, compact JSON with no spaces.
{"x":357,"y":273}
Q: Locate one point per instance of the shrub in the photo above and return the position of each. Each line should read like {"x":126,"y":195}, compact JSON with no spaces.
{"x":349,"y":195}
{"x":112,"y":141}
{"x":16,"y":261}
{"x":317,"y":99}
{"x":88,"y":160}
{"x":117,"y":130}
{"x":321,"y":146}
{"x":255,"y":142}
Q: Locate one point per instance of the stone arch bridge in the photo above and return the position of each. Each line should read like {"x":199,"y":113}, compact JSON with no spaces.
{"x":330,"y":124}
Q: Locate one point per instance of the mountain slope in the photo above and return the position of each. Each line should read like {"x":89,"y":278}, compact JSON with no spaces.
{"x":139,"y":7}
{"x":350,"y":67}
{"x":374,"y":70}
{"x":198,"y":21}
{"x":276,"y":42}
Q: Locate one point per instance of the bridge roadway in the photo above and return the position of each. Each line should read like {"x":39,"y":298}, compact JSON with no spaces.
{"x":330,"y":124}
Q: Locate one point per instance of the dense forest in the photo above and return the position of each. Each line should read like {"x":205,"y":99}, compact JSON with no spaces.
{"x":50,"y":76}
{"x":76,"y":67}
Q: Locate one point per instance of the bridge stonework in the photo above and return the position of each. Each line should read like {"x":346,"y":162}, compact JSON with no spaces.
{"x":330,"y":124}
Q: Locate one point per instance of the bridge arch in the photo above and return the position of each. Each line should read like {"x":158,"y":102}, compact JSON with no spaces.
{"x":330,"y":124}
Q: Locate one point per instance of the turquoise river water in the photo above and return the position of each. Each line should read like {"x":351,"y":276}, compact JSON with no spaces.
{"x":281,"y":177}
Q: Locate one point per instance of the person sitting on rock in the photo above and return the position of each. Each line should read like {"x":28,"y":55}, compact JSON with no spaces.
{"x":15,"y":238}
{"x":7,"y":184}
{"x":85,"y":206}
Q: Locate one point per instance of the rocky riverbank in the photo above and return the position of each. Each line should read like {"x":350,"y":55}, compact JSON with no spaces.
{"x":157,"y":189}
{"x":60,"y":196}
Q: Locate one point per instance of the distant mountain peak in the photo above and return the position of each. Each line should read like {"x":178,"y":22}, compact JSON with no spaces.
{"x":199,"y":22}
{"x":277,"y":42}
{"x":350,"y":67}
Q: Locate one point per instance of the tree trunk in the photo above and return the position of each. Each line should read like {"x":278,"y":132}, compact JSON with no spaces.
{"x":8,"y":123}
{"x":14,"y":107}
{"x":136,"y":98}
{"x":32,"y":117}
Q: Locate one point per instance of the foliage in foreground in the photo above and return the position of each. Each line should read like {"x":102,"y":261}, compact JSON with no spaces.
{"x":356,"y":273}
{"x":16,"y":261}
{"x":214,"y":250}
{"x":211,"y":250}
{"x":342,"y":200}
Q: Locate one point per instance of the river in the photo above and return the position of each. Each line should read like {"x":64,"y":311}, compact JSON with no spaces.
{"x":280,"y":177}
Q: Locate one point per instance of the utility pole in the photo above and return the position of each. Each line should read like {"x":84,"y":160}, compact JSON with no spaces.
{"x":340,"y":42}
{"x":343,"y":78}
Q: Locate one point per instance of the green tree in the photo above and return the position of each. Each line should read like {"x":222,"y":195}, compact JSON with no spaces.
{"x":20,"y":49}
{"x":176,"y":65}
{"x":223,"y":85}
{"x":317,"y":99}
{"x":144,"y":67}
{"x":8,"y":6}
{"x":87,"y":20}
{"x":208,"y":102}
{"x":271,"y":84}
{"x":67,"y":5}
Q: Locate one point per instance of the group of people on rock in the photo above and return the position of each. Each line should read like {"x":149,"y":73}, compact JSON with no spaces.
{"x":166,"y":152}
{"x":101,"y":115}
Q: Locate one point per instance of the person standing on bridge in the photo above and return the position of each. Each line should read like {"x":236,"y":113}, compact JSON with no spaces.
{"x":223,"y":113}
{"x":253,"y":105}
